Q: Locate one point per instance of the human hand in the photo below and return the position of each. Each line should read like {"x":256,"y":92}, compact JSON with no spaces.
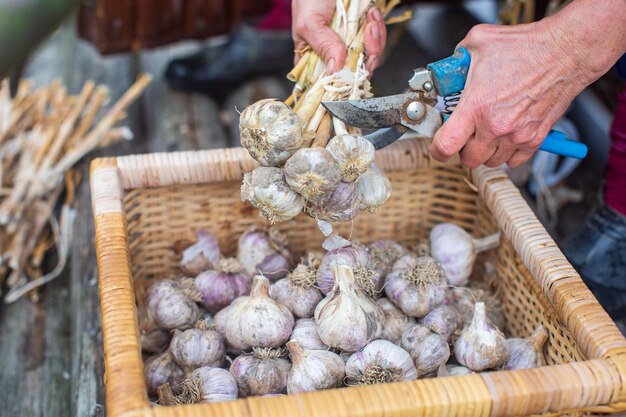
{"x":310,"y":27}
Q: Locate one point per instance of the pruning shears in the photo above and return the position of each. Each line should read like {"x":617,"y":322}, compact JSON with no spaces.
{"x":416,"y":109}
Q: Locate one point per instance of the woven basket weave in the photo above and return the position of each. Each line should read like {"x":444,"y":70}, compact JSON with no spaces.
{"x":148,"y":207}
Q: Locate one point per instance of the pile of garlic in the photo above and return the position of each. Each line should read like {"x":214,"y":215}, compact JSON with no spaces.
{"x":258,"y":325}
{"x":330,"y":182}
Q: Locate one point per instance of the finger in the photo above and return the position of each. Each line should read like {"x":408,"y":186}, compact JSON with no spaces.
{"x":477,"y":151}
{"x":328,"y":45}
{"x":375,"y":33}
{"x":520,"y":156}
{"x":503,"y":153}
{"x":452,"y":136}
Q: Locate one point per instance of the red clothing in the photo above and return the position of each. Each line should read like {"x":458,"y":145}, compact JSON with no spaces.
{"x":278,"y":18}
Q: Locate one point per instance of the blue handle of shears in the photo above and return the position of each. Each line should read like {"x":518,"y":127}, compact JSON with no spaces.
{"x":449,"y":76}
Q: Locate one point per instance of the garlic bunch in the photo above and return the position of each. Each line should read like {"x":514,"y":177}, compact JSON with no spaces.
{"x":353,"y":153}
{"x":270,"y":131}
{"x":453,"y":370}
{"x":347,"y":318}
{"x":527,"y":353}
{"x":395,"y":321}
{"x":265,"y":188}
{"x":258,"y":321}
{"x":456,"y":250}
{"x":313,"y":370}
{"x":305,"y":333}
{"x":161,"y":369}
{"x":380,"y":362}
{"x":384,"y":253}
{"x":169,"y":307}
{"x":443,"y":320}
{"x":312,"y":173}
{"x":262,"y":372}
{"x":296,"y":292}
{"x":265,"y":253}
{"x":373,"y":189}
{"x":195,"y":348}
{"x":428,"y":350}
{"x":481,"y":345}
{"x":340,"y":206}
{"x":209,"y":385}
{"x":220,"y":286}
{"x":202,"y":255}
{"x":416,"y":285}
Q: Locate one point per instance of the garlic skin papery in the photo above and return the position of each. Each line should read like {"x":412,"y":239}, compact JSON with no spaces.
{"x":373,"y":189}
{"x":427,"y":349}
{"x":264,"y":252}
{"x":395,"y":323}
{"x":169,"y":307}
{"x":312,"y":173}
{"x":313,"y":370}
{"x":353,"y":153}
{"x":384,"y":253}
{"x":262,"y":372}
{"x":453,"y":370}
{"x":347,"y":318}
{"x":305,"y":333}
{"x":270,"y":131}
{"x":219,"y":287}
{"x":527,"y":353}
{"x":265,"y":188}
{"x":481,"y":345}
{"x":443,"y":320}
{"x":195,"y":348}
{"x":162,"y":369}
{"x":341,"y":205}
{"x":202,"y":255}
{"x":380,"y":362}
{"x":416,"y":285}
{"x":456,"y":250}
{"x":209,"y":385}
{"x":296,"y":292}
{"x":258,"y":321}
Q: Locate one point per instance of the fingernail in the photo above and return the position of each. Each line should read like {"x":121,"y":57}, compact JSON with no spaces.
{"x":377,"y":15}
{"x":330,"y":68}
{"x":375,"y":31}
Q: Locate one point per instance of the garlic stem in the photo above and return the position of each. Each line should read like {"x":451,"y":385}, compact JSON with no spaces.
{"x":486,"y":243}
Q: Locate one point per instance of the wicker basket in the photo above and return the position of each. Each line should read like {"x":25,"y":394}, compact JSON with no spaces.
{"x":147,"y":207}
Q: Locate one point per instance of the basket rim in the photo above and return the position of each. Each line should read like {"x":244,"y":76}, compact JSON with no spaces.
{"x":487,"y":394}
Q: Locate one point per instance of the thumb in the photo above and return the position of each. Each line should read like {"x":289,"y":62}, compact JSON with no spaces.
{"x":452,"y":135}
{"x":329,"y":46}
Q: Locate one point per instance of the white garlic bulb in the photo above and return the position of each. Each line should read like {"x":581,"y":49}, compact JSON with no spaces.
{"x":380,"y":362}
{"x":161,"y":369}
{"x":209,"y":385}
{"x":265,"y":253}
{"x":296,"y":292}
{"x":340,"y":206}
{"x":428,"y":350}
{"x":202,"y":255}
{"x":195,"y":348}
{"x":312,"y":173}
{"x":456,"y":250}
{"x":384,"y":253}
{"x":305,"y":333}
{"x":262,"y":372}
{"x":527,"y":353}
{"x":353,"y":153}
{"x":481,"y":345}
{"x":395,"y":322}
{"x":169,"y":307}
{"x":270,"y":131}
{"x":265,"y":188}
{"x":416,"y":285}
{"x":373,"y":189}
{"x":443,"y":320}
{"x":221,"y":320}
{"x":313,"y":370}
{"x":258,"y":321}
{"x":453,"y":370}
{"x":347,"y":318}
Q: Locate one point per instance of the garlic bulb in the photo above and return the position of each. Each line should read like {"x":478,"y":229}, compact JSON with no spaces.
{"x":265,"y":253}
{"x":209,"y":385}
{"x":453,"y":370}
{"x":422,"y":248}
{"x":313,"y":370}
{"x":312,"y":173}
{"x":169,"y":307}
{"x":380,"y":362}
{"x":527,"y":353}
{"x":221,"y":320}
{"x":195,"y":348}
{"x":416,"y":285}
{"x":270,"y":131}
{"x":265,"y":188}
{"x":340,"y":206}
{"x":384,"y":253}
{"x":347,"y":318}
{"x":305,"y":333}
{"x":464,"y":300}
{"x":428,"y":350}
{"x":262,"y":372}
{"x":297,"y":292}
{"x":219,"y":287}
{"x":373,"y":189}
{"x":443,"y":320}
{"x":154,"y":341}
{"x":353,"y":153}
{"x":481,"y":345}
{"x":456,"y":250}
{"x":395,"y":322}
{"x":162,"y":369}
{"x":202,"y":255}
{"x":258,"y":321}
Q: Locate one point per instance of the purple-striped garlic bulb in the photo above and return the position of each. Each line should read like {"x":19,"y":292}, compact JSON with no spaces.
{"x":395,"y":323}
{"x":313,"y":370}
{"x":209,"y":385}
{"x":380,"y":362}
{"x":220,"y":286}
{"x":264,"y":253}
{"x":204,"y":254}
{"x":428,"y":349}
{"x":169,"y":307}
{"x":341,"y":205}
{"x":161,"y":369}
{"x":297,"y":292}
{"x":195,"y":348}
{"x":262,"y":372}
{"x":305,"y":333}
{"x":443,"y":320}
{"x":528,"y":352}
{"x":384,"y":253}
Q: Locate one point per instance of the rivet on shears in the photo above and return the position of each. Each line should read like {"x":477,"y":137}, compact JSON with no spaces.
{"x":415,"y":110}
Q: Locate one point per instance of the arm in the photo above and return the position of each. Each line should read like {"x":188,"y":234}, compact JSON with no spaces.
{"x":524,"y":77}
